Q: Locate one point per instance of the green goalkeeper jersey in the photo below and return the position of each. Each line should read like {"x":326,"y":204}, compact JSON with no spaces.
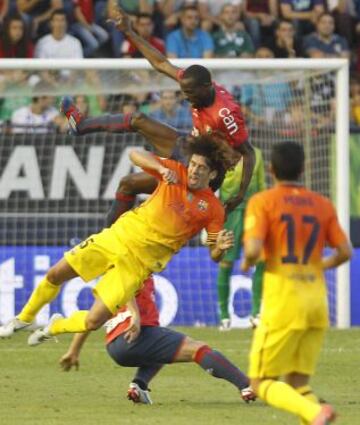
{"x":232,"y":181}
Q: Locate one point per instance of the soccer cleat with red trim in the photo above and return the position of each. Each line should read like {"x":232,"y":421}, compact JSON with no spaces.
{"x":247,"y":394}
{"x":326,"y":416}
{"x":73,"y":115}
{"x":137,"y":395}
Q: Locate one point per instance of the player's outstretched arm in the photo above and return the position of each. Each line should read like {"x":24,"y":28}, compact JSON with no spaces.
{"x":224,"y":241}
{"x":133,"y":331}
{"x":248,"y":153}
{"x":71,"y":357}
{"x":252,"y":253}
{"x":156,"y":59}
{"x":149,"y":162}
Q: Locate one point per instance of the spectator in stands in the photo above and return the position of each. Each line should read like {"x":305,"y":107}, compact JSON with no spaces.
{"x":16,"y":92}
{"x":285,"y":44}
{"x":189,"y":41}
{"x":210,"y":13}
{"x":170,"y":112}
{"x":91,"y":35}
{"x":229,"y":41}
{"x":38,"y":117}
{"x":355,"y":100}
{"x":303,"y":14}
{"x":171,"y":10}
{"x":324,"y":43}
{"x":266,"y":103}
{"x":4,"y":8}
{"x":58,"y":44}
{"x":82,"y":103}
{"x":260,"y":17}
{"x":133,"y":8}
{"x":144,"y":27}
{"x":37,"y":13}
{"x":14,"y":42}
{"x":347,"y":19}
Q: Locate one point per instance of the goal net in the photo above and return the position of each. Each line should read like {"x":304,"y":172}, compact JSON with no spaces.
{"x":55,"y":189}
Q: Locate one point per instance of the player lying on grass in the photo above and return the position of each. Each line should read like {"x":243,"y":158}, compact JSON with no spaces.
{"x":139,"y":243}
{"x":213,"y":109}
{"x":291,"y":225}
{"x":149,"y":347}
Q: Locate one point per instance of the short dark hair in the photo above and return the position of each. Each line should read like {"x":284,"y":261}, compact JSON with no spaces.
{"x":283,"y":21}
{"x":144,"y":15}
{"x":324,"y":14}
{"x":189,"y":7}
{"x":217,"y":152}
{"x":287,"y":160}
{"x":58,"y":12}
{"x":198,"y":73}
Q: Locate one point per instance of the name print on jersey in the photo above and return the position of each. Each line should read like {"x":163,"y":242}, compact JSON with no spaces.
{"x":228,"y":120}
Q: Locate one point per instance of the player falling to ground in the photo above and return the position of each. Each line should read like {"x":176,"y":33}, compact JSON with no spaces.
{"x":149,"y":347}
{"x":140,"y":242}
{"x":292,"y":225}
{"x":213,"y":109}
{"x":235,"y":223}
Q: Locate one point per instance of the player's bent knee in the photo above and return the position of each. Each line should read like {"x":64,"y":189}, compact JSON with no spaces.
{"x":126,"y":185}
{"x":137,"y":119}
{"x":93,"y":323}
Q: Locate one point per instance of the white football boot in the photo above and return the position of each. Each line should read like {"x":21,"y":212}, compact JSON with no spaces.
{"x":14,"y":325}
{"x":137,"y":395}
{"x":43,"y":334}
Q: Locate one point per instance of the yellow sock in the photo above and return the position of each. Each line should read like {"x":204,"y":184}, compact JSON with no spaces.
{"x":43,"y":294}
{"x":283,"y":396}
{"x":74,"y":323}
{"x":307,"y":392}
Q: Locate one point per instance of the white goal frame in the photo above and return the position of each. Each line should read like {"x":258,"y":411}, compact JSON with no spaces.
{"x":339,"y":66}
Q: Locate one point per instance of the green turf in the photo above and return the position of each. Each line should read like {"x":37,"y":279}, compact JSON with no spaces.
{"x":34,"y":391}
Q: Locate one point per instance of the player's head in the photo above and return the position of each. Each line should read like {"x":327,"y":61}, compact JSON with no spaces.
{"x":287,"y":161}
{"x":196,"y":86}
{"x":209,"y":159}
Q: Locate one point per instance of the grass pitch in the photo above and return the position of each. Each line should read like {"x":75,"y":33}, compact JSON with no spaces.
{"x":34,"y":391}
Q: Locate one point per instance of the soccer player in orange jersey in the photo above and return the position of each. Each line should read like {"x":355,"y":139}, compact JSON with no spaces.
{"x":139,"y":243}
{"x":213,"y":108}
{"x":290,"y":226}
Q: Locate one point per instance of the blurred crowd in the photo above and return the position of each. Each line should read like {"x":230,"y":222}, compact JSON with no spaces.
{"x":178,"y":28}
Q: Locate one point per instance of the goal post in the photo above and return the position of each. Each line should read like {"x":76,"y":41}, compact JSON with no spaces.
{"x":264,"y":72}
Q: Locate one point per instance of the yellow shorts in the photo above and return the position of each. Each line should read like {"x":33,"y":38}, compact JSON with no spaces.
{"x":277,"y":352}
{"x":106,"y":254}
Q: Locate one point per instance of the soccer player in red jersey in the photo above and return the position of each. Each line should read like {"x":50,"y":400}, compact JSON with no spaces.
{"x":134,"y":338}
{"x":213,"y":109}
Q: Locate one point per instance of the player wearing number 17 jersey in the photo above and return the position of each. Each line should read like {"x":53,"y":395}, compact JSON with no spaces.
{"x":291,"y":225}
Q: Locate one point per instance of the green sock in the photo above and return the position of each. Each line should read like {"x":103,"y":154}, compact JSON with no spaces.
{"x":257,"y":282}
{"x":223,"y":287}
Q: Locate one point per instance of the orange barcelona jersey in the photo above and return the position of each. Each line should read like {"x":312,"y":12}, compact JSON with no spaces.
{"x":170,"y":217}
{"x":295,"y":224}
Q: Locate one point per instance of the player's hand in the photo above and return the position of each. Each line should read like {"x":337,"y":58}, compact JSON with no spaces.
{"x":68,"y":361}
{"x":225,"y":239}
{"x":121,"y":19}
{"x":133,"y":330}
{"x":169,"y":176}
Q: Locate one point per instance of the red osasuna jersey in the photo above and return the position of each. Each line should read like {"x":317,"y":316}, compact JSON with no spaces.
{"x":223,"y":115}
{"x":149,"y":313}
